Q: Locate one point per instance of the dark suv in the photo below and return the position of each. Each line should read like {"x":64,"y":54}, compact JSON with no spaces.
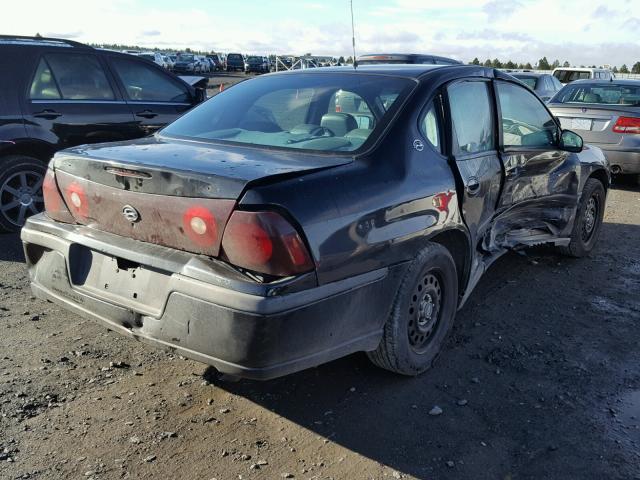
{"x":56,"y":94}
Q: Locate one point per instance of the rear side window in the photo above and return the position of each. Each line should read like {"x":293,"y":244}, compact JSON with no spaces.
{"x":71,"y":76}
{"x":525,"y":122}
{"x":471,"y":115}
{"x":429,"y":127}
{"x":144,"y":83}
{"x":44,"y":86}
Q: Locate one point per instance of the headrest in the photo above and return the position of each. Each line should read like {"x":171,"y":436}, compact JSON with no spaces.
{"x":339,"y":123}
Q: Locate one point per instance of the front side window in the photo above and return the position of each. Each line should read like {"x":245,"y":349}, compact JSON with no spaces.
{"x":79,"y":77}
{"x":524,"y":121}
{"x":472,"y":117}
{"x":323,"y":112}
{"x":44,"y":86}
{"x":429,"y":127}
{"x":146,"y":84}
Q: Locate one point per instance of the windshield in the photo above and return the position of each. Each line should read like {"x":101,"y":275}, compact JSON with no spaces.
{"x":186,"y":58}
{"x":568,"y":76}
{"x":600,"y":93}
{"x":529,"y":81}
{"x":322,"y":112}
{"x":234,"y":56}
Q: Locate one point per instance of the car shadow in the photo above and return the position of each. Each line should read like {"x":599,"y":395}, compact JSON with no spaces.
{"x":487,"y":380}
{"x":11,"y":248}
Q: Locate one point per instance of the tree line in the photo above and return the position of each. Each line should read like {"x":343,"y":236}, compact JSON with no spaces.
{"x":543,"y":64}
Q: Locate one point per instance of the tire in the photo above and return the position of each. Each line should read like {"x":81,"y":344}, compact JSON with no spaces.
{"x":588,"y":222}
{"x":20,"y":190}
{"x":422,"y":314}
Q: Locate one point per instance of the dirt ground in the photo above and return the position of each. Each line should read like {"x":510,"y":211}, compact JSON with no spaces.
{"x":539,"y":380}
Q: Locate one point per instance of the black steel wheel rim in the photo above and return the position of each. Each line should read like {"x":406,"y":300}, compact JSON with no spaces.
{"x":590,"y":218}
{"x":21,"y":196}
{"x":425,"y":308}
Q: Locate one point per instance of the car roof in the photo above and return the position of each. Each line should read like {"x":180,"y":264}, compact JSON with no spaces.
{"x":404,"y":56}
{"x":408,"y":70}
{"x":23,"y":41}
{"x":614,"y":81}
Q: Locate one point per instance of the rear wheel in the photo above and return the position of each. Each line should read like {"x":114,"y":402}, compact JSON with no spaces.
{"x":586,"y":226}
{"x":422,"y":315}
{"x":20,"y":190}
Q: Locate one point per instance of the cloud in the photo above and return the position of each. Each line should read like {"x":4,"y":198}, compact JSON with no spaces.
{"x":500,"y":9}
{"x":151,"y":33}
{"x":604,"y":12}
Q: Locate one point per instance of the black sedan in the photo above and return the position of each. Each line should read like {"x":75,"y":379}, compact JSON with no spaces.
{"x":299,"y":217}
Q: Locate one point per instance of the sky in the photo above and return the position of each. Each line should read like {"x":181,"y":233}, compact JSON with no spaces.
{"x":579,"y":31}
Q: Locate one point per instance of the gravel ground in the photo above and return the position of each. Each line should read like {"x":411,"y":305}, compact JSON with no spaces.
{"x":539,"y":380}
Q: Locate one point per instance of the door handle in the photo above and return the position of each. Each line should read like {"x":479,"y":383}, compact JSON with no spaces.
{"x":146,"y":114}
{"x":47,"y":114}
{"x":473,"y":186}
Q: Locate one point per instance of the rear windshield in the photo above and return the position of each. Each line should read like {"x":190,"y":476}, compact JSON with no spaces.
{"x":529,"y":81}
{"x":234,"y":56}
{"x":568,"y":76}
{"x":185,"y":58}
{"x":322,"y":112}
{"x":600,"y":93}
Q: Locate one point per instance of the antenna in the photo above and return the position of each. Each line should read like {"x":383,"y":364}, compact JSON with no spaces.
{"x":353,"y":37}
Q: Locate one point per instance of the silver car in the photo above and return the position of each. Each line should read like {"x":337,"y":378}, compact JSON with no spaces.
{"x":605,"y":114}
{"x":543,"y":84}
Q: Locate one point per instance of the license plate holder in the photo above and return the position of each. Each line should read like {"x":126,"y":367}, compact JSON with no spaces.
{"x":581,"y":123}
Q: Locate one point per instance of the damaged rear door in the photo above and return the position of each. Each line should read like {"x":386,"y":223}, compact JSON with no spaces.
{"x":540,"y":190}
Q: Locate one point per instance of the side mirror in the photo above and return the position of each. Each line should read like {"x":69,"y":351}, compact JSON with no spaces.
{"x":571,"y":141}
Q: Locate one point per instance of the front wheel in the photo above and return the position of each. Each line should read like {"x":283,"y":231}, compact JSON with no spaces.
{"x":588,"y":221}
{"x":422,"y":314}
{"x":20,"y":190}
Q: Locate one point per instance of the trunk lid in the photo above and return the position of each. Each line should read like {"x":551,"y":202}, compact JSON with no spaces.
{"x":594,"y":123}
{"x":174,"y":193}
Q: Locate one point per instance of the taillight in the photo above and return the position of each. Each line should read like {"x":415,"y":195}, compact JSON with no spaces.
{"x":265,"y":242}
{"x":53,"y":203}
{"x":627,"y":125}
{"x":77,"y":199}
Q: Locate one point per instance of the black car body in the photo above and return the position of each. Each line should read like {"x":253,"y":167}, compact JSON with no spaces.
{"x":56,"y":94}
{"x":405,"y":58}
{"x":288,"y":235}
{"x":235,"y":62}
{"x":543,"y":84}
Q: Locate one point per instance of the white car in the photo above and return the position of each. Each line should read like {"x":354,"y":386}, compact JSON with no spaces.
{"x":155,"y":57}
{"x":571,"y":74}
{"x":168,"y":62}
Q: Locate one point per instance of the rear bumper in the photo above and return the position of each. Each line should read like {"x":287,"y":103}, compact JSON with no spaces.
{"x":621,"y":161}
{"x":187,"y":305}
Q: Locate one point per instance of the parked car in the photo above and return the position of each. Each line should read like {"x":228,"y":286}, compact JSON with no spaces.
{"x":258,"y":64}
{"x":218,"y":63}
{"x":376,"y":58}
{"x":264,"y":232}
{"x":56,"y":94}
{"x":543,"y":84}
{"x":570,"y":74}
{"x":606,"y":114}
{"x":187,"y":63}
{"x":154,"y":57}
{"x":235,"y":62}
{"x":203,"y":64}
{"x":168,"y":62}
